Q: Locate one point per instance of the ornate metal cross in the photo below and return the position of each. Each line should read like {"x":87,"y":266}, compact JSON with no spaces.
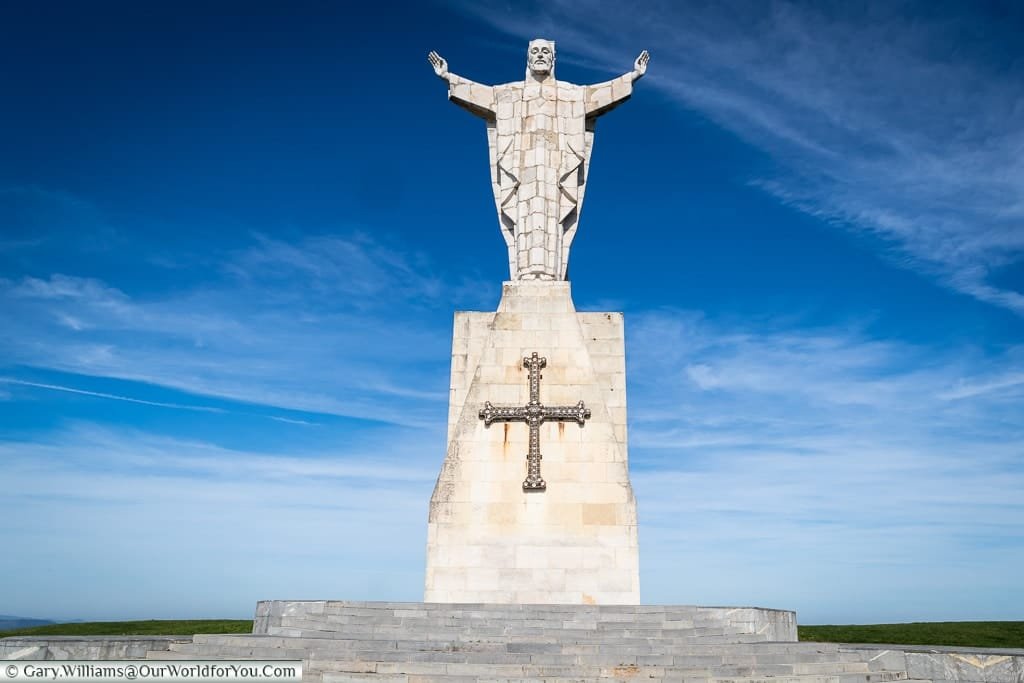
{"x":534,"y":414}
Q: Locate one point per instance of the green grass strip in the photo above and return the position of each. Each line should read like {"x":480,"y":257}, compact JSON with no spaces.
{"x":956,"y":633}
{"x":152,"y":627}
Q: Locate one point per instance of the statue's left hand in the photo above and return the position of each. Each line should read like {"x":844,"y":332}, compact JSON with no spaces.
{"x":640,"y":65}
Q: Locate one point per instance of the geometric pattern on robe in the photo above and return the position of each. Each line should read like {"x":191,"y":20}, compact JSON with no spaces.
{"x":540,"y":135}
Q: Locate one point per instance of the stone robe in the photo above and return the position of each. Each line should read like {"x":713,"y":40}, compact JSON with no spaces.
{"x":540,"y":134}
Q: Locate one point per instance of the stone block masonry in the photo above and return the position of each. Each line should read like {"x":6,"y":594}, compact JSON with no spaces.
{"x":573,"y":540}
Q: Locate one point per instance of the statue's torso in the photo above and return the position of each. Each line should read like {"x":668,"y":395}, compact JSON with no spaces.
{"x":545,"y":108}
{"x":540,"y":150}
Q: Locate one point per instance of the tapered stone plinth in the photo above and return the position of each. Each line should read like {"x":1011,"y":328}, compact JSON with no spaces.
{"x":493,"y":540}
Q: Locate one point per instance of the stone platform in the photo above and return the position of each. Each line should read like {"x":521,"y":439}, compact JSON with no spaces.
{"x":419,"y":642}
{"x":358,"y":641}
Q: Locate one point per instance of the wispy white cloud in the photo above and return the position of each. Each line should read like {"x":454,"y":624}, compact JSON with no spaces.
{"x":339,"y":323}
{"x":113,"y":397}
{"x":101,"y":449}
{"x":354,"y":267}
{"x":146,"y":402}
{"x":889,"y":125}
{"x":1011,"y":380}
{"x":700,"y":377}
{"x":328,"y":324}
{"x":792,"y":460}
{"x":290,"y":420}
{"x":124,"y":512}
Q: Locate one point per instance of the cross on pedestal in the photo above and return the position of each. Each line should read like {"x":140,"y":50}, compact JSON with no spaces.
{"x":534,"y":414}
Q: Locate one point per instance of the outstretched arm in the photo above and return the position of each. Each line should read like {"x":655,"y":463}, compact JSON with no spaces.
{"x":603,"y":97}
{"x":473,"y":97}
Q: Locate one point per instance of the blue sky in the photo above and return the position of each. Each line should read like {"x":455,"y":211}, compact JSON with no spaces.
{"x":233,"y":235}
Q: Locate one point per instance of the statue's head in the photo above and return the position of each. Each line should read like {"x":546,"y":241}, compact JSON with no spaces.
{"x":540,"y":57}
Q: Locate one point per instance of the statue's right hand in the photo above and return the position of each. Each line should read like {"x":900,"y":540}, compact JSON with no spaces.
{"x":439,"y":64}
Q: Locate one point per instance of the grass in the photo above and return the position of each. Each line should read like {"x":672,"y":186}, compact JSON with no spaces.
{"x":961,"y":633}
{"x":152,"y":627}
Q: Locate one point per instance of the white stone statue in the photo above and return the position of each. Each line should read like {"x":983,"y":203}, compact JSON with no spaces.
{"x":540,"y":132}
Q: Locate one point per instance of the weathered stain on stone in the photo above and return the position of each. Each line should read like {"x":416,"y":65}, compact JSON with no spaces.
{"x":626,"y":671}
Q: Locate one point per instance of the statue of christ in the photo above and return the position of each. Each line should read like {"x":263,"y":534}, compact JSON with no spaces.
{"x":540,"y":133}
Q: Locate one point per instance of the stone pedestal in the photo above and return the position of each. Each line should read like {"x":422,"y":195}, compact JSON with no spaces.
{"x":491,"y":541}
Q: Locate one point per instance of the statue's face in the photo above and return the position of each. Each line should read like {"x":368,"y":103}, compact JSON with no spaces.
{"x":540,"y":56}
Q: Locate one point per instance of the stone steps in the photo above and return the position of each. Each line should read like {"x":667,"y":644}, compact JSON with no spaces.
{"x":541,"y":611}
{"x":687,"y":627}
{"x":327,"y":609}
{"x":594,"y":674}
{"x":511,"y":642}
{"x":587,"y":670}
{"x":415,"y":678}
{"x":327,"y":670}
{"x":505,"y":633}
{"x":358,"y":641}
{"x":328,"y":667}
{"x":762,"y":653}
{"x":499,"y":635}
{"x":722,"y":664}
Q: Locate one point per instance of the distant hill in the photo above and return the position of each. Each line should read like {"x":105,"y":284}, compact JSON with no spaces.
{"x":7,"y":622}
